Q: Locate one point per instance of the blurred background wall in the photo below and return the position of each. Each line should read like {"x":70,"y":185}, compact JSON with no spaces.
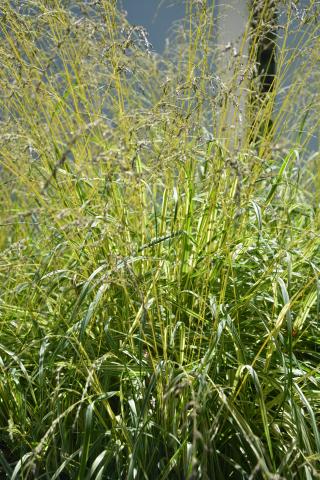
{"x":159,"y":16}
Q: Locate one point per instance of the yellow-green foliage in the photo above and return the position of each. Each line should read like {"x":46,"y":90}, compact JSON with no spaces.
{"x":159,"y":268}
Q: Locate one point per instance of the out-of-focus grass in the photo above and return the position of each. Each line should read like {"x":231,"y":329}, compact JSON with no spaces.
{"x":159,"y":303}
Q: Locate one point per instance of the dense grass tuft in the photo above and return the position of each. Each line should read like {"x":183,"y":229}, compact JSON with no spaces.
{"x":159,"y":249}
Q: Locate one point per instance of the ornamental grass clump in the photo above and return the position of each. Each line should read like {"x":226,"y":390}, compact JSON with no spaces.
{"x":159,"y":246}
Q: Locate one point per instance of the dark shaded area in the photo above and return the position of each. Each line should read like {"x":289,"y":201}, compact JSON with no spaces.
{"x":264,"y":25}
{"x":265,"y":19}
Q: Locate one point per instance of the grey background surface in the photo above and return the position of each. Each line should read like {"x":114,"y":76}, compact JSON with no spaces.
{"x":156,"y":16}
